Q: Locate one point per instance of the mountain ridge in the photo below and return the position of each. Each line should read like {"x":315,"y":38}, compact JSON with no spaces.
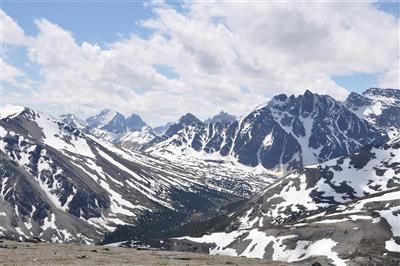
{"x":287,"y":133}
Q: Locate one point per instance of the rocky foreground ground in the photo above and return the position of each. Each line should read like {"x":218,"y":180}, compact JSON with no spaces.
{"x":24,"y":253}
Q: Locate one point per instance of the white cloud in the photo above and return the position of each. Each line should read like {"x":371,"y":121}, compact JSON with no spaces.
{"x":9,"y":73}
{"x":217,"y":50}
{"x":390,"y":79}
{"x":11,"y":32}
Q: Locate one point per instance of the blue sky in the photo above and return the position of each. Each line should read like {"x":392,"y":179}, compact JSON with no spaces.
{"x":105,"y":23}
{"x":99,"y":22}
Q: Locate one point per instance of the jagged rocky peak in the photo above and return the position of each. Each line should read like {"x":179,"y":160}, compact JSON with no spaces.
{"x":131,"y":132}
{"x":114,"y":122}
{"x":304,"y":104}
{"x":380,"y":107}
{"x":383,"y":92}
{"x":222,"y":117}
{"x":288,"y":133}
{"x":188,"y":119}
{"x":59,"y":184}
{"x":73,"y":121}
{"x":355,"y":100}
{"x":135,"y":123}
{"x":183,"y":122}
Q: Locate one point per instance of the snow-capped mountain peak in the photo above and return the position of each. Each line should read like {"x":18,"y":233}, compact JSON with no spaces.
{"x":288,"y":133}
{"x":9,"y":110}
{"x":73,"y":120}
{"x":388,"y":95}
{"x":380,"y":107}
{"x":108,"y":120}
{"x":60,"y":184}
{"x":131,"y":132}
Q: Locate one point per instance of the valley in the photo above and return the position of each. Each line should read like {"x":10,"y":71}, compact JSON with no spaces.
{"x":295,"y":174}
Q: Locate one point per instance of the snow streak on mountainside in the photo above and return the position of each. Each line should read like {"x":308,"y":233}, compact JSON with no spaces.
{"x":287,"y":133}
{"x":60,"y":184}
{"x":344,"y":209}
{"x":380,"y":107}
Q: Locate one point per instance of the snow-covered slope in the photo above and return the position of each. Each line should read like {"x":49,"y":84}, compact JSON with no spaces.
{"x":346,"y":210}
{"x":380,"y":107}
{"x":10,"y":111}
{"x":60,"y":184}
{"x":287,"y":133}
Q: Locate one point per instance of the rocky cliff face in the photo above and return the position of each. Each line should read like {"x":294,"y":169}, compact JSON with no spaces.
{"x":287,"y":133}
{"x":380,"y":107}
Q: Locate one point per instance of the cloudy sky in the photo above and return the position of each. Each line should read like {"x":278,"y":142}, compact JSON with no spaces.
{"x":164,"y":59}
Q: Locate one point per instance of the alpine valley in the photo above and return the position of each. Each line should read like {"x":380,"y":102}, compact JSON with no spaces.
{"x":299,"y":178}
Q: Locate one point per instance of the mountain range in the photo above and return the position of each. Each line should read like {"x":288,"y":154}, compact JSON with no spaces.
{"x":293,"y":174}
{"x":287,"y":133}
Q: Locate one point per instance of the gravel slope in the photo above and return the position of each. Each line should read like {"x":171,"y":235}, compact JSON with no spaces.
{"x":23,"y":253}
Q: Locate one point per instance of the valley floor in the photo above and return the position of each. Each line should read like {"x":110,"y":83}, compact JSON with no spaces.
{"x":24,"y":253}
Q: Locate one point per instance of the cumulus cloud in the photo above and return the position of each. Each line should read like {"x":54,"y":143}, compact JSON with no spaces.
{"x":226,"y":55}
{"x":9,"y":73}
{"x":390,"y":79}
{"x":11,"y":32}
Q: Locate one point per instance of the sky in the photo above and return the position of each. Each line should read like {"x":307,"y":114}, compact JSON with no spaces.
{"x":164,"y":59}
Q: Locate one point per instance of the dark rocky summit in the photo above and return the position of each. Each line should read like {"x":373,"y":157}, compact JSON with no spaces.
{"x":288,"y":133}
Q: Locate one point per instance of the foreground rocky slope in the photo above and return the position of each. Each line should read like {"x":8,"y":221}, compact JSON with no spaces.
{"x":16,"y":253}
{"x":346,"y":209}
{"x":60,"y":184}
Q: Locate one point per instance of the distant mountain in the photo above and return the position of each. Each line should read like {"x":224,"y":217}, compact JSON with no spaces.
{"x":287,"y":133}
{"x":346,"y":209}
{"x":114,"y":122}
{"x":107,"y":120}
{"x":135,"y":123}
{"x":160,"y":130}
{"x":380,"y":107}
{"x":222,"y":117}
{"x":74,"y":121}
{"x":131,"y":132}
{"x":63,"y":185}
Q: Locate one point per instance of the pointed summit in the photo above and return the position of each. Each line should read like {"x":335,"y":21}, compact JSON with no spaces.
{"x":73,"y":121}
{"x":10,"y":111}
{"x":134,"y":123}
{"x":222,"y":117}
{"x":108,"y":120}
{"x":188,"y":119}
